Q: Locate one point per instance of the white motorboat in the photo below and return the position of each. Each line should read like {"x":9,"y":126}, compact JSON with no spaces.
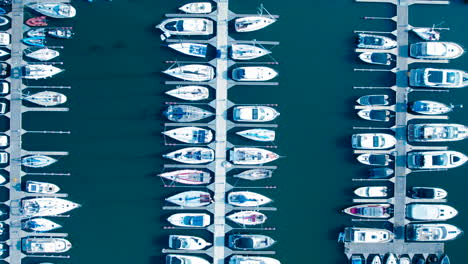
{"x":190,"y":135}
{"x":368,"y":41}
{"x":197,"y":8}
{"x":252,"y":156}
{"x":47,"y":98}
{"x":191,"y":177}
{"x":4,"y":53}
{"x":372,"y":141}
{"x":191,"y":49}
{"x":238,"y":259}
{"x":37,"y":245}
{"x":391,"y":259}
{"x":186,"y":113}
{"x":192,"y":72}
{"x":187,"y":26}
{"x":367,"y":235}
{"x":426,"y":107}
{"x":248,"y":218}
{"x":184,"y":259}
{"x":4,"y":87}
{"x":43,"y":54}
{"x":250,"y":241}
{"x":376,"y":260}
{"x":427,"y":33}
{"x":430,"y":212}
{"x":373,"y":100}
{"x":46,"y":206}
{"x":41,"y":187}
{"x":40,"y":224}
{"x":247,"y":199}
{"x":436,"y":50}
{"x":372,"y":191}
{"x":254,"y":113}
{"x":190,"y":93}
{"x":432,"y":132}
{"x":404,"y":260}
{"x":374,"y":115}
{"x":258,"y":134}
{"x":435,"y":159}
{"x":438,"y":78}
{"x":370,"y":210}
{"x":191,"y":199}
{"x":374,"y":159}
{"x":5,"y":39}
{"x":55,"y":10}
{"x":192,"y":155}
{"x":254,"y":174}
{"x":40,"y":71}
{"x":432,"y":232}
{"x":190,"y":219}
{"x":378,"y":58}
{"x":2,"y":179}
{"x":4,"y":141}
{"x":187,"y":242}
{"x":247,"y":52}
{"x":252,"y":23}
{"x":427,"y":193}
{"x":253,"y":74}
{"x":37,"y":161}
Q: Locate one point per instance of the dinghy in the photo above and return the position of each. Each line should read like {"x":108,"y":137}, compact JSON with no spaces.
{"x":247,"y":199}
{"x":197,"y":8}
{"x":187,"y":242}
{"x":374,"y":115}
{"x":191,"y":199}
{"x":190,"y":93}
{"x":190,"y":135}
{"x":378,"y":58}
{"x":254,"y":174}
{"x":44,"y":54}
{"x":374,"y":159}
{"x":191,"y":49}
{"x":247,"y":52}
{"x":190,"y":219}
{"x":427,"y":33}
{"x":258,"y":134}
{"x":40,"y":225}
{"x":47,"y":98}
{"x":193,"y":155}
{"x":186,"y":113}
{"x":37,"y":161}
{"x":192,"y":72}
{"x":251,"y":156}
{"x":247,"y":218}
{"x":191,"y":177}
{"x":252,"y":23}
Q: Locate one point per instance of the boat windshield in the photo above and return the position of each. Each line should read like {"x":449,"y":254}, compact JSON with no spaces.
{"x":193,"y":220}
{"x":439,"y":160}
{"x":255,"y":114}
{"x":244,"y":242}
{"x":374,"y":41}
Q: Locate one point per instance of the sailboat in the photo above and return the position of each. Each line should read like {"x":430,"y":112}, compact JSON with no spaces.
{"x":192,"y":72}
{"x":40,"y":224}
{"x":40,"y":71}
{"x":263,"y":135}
{"x":47,"y":98}
{"x":191,"y":199}
{"x":254,"y":174}
{"x":248,"y":218}
{"x":191,"y":49}
{"x":191,"y":177}
{"x":190,"y":93}
{"x":37,"y":161}
{"x":186,"y":113}
{"x":252,"y":23}
{"x":44,"y":54}
{"x":190,"y":135}
{"x":193,"y":155}
{"x":247,"y":52}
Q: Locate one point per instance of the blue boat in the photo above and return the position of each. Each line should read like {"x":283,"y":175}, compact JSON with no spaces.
{"x":35,"y":41}
{"x":2,"y":11}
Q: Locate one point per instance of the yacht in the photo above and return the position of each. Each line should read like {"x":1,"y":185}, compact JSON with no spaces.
{"x":254,"y":113}
{"x":438,"y":78}
{"x":247,"y":52}
{"x":5,"y":39}
{"x":238,"y":259}
{"x":43,"y":54}
{"x":433,"y":132}
{"x":369,"y":210}
{"x":46,"y":206}
{"x":426,"y":107}
{"x":4,"y":157}
{"x":254,"y":174}
{"x":253,"y":74}
{"x":37,"y":161}
{"x":432,"y":232}
{"x":187,"y":242}
{"x":435,"y":159}
{"x":376,"y":260}
{"x":373,"y":100}
{"x":191,"y":177}
{"x":372,"y":191}
{"x":391,"y":259}
{"x":250,"y":241}
{"x":186,"y":113}
{"x":192,"y":155}
{"x":197,"y":8}
{"x":430,"y":212}
{"x":40,"y":224}
{"x":187,"y":26}
{"x":40,"y":71}
{"x":427,"y":193}
{"x":374,"y":115}
{"x":61,"y":32}
{"x":55,"y":10}
{"x":378,"y":58}
{"x":47,"y":98}
{"x":368,"y":41}
{"x":252,"y":23}
{"x":190,"y":219}
{"x":374,"y":159}
{"x":427,"y":33}
{"x":184,"y":259}
{"x":247,"y":199}
{"x":258,"y":134}
{"x":367,"y":235}
{"x":192,"y":72}
{"x":248,"y":218}
{"x":372,"y":141}
{"x":252,"y":156}
{"x":41,"y":187}
{"x":190,"y":135}
{"x":37,"y":245}
{"x":191,"y":199}
{"x":436,"y":50}
{"x":191,"y":49}
{"x":4,"y":53}
{"x":190,"y":93}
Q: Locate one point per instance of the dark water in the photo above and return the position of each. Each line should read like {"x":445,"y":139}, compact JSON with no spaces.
{"x":114,"y":66}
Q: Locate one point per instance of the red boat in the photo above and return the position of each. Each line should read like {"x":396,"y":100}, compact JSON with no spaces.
{"x":39,"y":21}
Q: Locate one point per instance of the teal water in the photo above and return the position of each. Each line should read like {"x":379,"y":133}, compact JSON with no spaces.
{"x":116,"y":100}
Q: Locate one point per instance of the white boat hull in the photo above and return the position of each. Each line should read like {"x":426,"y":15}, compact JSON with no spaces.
{"x":190,"y":93}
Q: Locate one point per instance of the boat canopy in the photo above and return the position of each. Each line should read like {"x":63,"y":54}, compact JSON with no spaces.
{"x":379,"y":57}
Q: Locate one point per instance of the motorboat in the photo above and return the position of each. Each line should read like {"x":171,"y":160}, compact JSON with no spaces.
{"x":187,"y":242}
{"x":436,"y":50}
{"x":432,"y":132}
{"x":47,"y":98}
{"x":247,"y":199}
{"x":368,"y":41}
{"x":184,"y":259}
{"x":61,"y":32}
{"x":435,"y":159}
{"x":39,"y":21}
{"x":4,"y":141}
{"x":391,"y":259}
{"x":191,"y":177}
{"x":254,"y":174}
{"x":3,"y":180}
{"x":372,"y":191}
{"x":4,"y":157}
{"x":374,"y":115}
{"x":427,"y":193}
{"x":35,"y":41}
{"x":186,"y":113}
{"x":373,"y":100}
{"x":366,"y":235}
{"x":37,"y":161}
{"x":238,"y":259}
{"x":378,"y":58}
{"x":191,"y":199}
{"x":41,"y":187}
{"x":376,"y":260}
{"x":248,"y":218}
{"x":4,"y":87}
{"x":252,"y":156}
{"x":404,"y":260}
{"x":252,"y":23}
{"x":192,"y":155}
{"x":190,"y":219}
{"x":369,"y":210}
{"x":4,"y":53}
{"x":190,"y":135}
{"x":43,"y":54}
{"x":253,"y":74}
{"x":426,"y":107}
{"x":43,"y":245}
{"x":192,"y":72}
{"x":36,"y":32}
{"x":55,"y":10}
{"x":46,"y":206}
{"x":432,"y":232}
{"x":250,"y":241}
{"x":445,"y":260}
{"x":374,"y":159}
{"x":372,"y":141}
{"x":438,"y":78}
{"x":3,"y":21}
{"x":40,"y":71}
{"x":5,"y":70}
{"x":191,"y":49}
{"x":254,"y":113}
{"x":190,"y":93}
{"x":247,"y":52}
{"x":197,"y":8}
{"x":357,"y":259}
{"x":5,"y":39}
{"x":258,"y":134}
{"x":40,"y":224}
{"x":430,"y":212}
{"x":187,"y":26}
{"x":427,"y":33}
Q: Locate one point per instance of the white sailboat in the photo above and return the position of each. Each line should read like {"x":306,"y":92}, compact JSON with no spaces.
{"x":190,"y":93}
{"x":192,"y":72}
{"x":55,"y":10}
{"x":43,"y":54}
{"x":252,"y":23}
{"x":193,"y":155}
{"x":190,"y":135}
{"x":40,"y":71}
{"x":258,"y":134}
{"x":247,"y":52}
{"x":37,"y":161}
{"x":191,"y":177}
{"x":197,"y":8}
{"x":252,"y":156}
{"x":427,"y":33}
{"x":191,"y":49}
{"x":40,"y":224}
{"x":191,"y":199}
{"x":46,"y":206}
{"x":47,"y":98}
{"x":248,"y":218}
{"x":247,"y":199}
